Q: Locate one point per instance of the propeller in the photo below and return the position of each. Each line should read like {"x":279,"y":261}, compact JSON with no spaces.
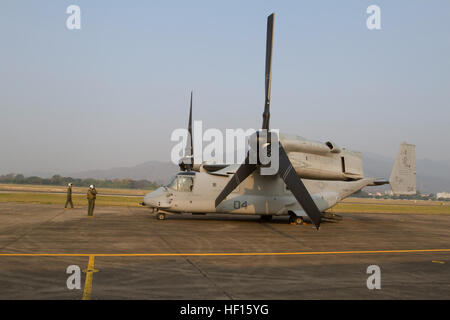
{"x":187,"y":166}
{"x":286,"y":171}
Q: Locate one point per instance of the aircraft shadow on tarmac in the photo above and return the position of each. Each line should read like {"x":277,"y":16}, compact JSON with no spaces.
{"x":238,"y":218}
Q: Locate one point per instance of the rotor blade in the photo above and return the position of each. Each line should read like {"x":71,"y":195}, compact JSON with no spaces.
{"x":190,"y":129}
{"x":241,"y":174}
{"x":298,"y":189}
{"x":187,"y":166}
{"x":269,"y":45}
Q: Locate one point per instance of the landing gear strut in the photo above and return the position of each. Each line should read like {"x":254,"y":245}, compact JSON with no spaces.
{"x":293,"y":219}
{"x":161,"y":216}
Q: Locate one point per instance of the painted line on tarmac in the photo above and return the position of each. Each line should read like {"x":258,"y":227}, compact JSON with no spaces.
{"x":215,"y":254}
{"x":89,"y":276}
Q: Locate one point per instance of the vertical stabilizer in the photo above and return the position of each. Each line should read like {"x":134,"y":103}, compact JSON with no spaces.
{"x":403,"y":175}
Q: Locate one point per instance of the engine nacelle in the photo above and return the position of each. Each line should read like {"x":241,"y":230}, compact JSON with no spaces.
{"x":299,"y":144}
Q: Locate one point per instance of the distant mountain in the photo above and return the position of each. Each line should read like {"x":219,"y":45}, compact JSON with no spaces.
{"x":154,"y":171}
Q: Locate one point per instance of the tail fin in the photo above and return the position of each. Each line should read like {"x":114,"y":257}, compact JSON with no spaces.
{"x":403,"y":175}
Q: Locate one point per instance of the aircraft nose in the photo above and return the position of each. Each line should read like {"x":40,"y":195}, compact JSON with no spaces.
{"x":160,"y":198}
{"x":151,"y":199}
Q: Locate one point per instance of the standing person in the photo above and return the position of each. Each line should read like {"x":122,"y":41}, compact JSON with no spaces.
{"x":91,"y":195}
{"x":69,"y":196}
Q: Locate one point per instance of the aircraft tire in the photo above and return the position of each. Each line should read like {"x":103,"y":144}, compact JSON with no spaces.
{"x":296,"y":220}
{"x":160,"y":216}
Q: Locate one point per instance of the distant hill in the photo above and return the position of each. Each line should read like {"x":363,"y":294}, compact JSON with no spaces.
{"x":432,"y":176}
{"x":154,"y":171}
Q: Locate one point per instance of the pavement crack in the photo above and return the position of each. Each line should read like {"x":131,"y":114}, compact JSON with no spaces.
{"x":268,"y":226}
{"x":195,"y":266}
{"x":31,"y":230}
{"x":208,"y":278}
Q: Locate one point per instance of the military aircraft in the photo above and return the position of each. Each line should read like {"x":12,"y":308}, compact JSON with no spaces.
{"x":312,"y":177}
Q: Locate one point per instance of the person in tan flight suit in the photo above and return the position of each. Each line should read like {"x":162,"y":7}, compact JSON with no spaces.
{"x":91,"y":196}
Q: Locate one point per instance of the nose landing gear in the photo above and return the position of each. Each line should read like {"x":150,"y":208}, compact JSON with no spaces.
{"x":160,"y":216}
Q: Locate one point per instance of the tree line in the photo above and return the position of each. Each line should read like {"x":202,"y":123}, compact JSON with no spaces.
{"x":58,"y":180}
{"x":417,"y":196}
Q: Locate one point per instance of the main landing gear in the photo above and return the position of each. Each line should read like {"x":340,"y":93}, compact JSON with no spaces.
{"x":293,"y":219}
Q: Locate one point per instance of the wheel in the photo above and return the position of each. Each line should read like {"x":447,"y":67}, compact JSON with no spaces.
{"x":295,"y":219}
{"x":266,"y":217}
{"x":298,"y":220}
{"x":161,"y":216}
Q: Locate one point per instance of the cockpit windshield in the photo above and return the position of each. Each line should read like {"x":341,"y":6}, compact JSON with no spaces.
{"x":181,"y":182}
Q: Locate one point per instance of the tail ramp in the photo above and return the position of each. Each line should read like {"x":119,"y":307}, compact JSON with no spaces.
{"x":403,"y":175}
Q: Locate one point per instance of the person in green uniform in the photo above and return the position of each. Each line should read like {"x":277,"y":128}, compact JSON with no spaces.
{"x":91,"y":195}
{"x":69,"y":196}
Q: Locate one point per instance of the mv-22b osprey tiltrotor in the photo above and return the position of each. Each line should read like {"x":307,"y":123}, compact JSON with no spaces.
{"x":311,"y":178}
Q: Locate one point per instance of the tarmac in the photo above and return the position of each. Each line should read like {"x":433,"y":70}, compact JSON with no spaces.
{"x":125,"y":253}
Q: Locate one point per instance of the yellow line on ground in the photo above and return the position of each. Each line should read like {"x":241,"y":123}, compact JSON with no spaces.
{"x":214,"y":254}
{"x":88,"y":282}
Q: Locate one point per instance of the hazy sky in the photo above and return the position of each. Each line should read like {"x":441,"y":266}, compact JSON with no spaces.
{"x":111,"y":93}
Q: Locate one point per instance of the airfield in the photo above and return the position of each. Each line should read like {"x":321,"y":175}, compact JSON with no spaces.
{"x":125,"y":253}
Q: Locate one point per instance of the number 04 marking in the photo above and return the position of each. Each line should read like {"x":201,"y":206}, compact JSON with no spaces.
{"x":238,"y":204}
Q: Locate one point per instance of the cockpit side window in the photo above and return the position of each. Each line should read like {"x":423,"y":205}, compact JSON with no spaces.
{"x":181,"y":183}
{"x":185,"y":183}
